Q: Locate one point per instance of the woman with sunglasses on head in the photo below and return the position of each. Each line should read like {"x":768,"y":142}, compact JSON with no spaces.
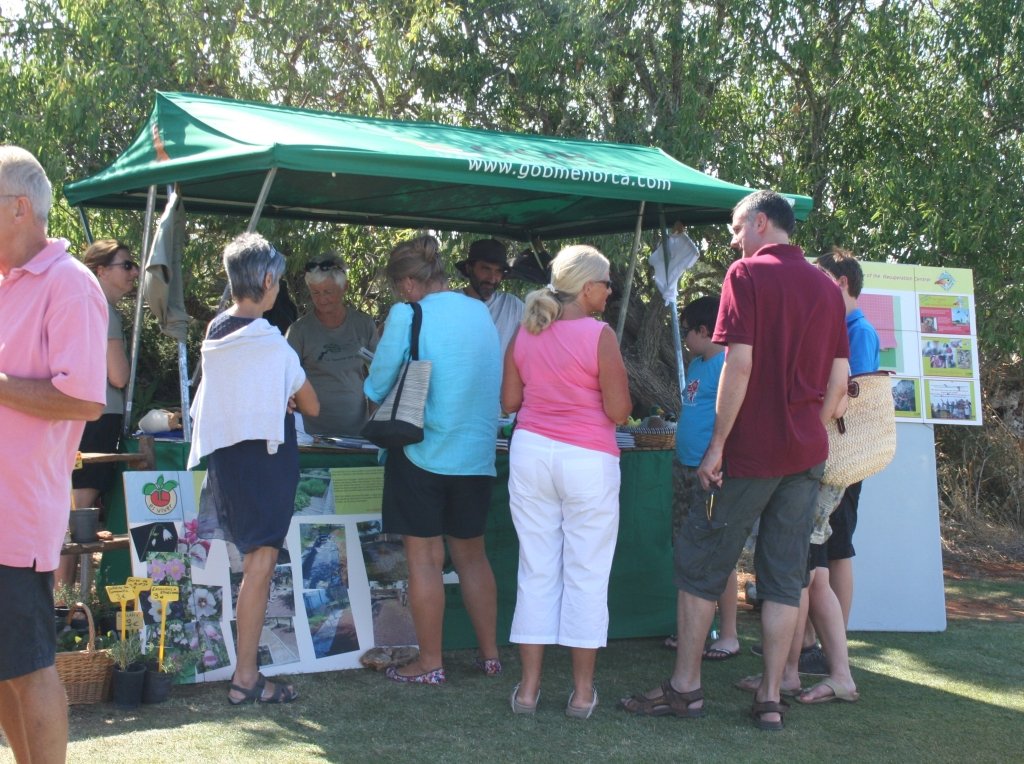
{"x":328,"y":342}
{"x":565,"y":377}
{"x":111,"y":262}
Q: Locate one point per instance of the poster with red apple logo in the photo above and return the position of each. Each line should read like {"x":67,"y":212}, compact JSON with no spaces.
{"x":161,"y":496}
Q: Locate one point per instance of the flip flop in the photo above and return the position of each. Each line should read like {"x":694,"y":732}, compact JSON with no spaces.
{"x":718,"y":654}
{"x":839,"y":693}
{"x":434,"y":676}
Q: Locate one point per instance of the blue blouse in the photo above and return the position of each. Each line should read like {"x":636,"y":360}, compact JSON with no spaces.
{"x":461,"y":416}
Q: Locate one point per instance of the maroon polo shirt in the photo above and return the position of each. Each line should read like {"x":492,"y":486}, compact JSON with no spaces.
{"x":793,"y":316}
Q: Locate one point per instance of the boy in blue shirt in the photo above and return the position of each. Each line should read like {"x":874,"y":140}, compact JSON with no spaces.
{"x":696,"y":421}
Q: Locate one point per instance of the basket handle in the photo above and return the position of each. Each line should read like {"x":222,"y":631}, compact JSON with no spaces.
{"x":81,"y":606}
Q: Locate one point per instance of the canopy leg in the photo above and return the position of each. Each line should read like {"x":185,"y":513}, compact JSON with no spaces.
{"x":147,"y":237}
{"x":620,"y":323}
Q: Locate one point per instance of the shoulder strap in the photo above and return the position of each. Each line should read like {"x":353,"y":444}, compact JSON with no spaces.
{"x":417,"y":321}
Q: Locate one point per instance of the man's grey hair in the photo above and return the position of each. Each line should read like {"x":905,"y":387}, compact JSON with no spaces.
{"x":22,"y":175}
{"x":777,"y":208}
{"x":248,"y":259}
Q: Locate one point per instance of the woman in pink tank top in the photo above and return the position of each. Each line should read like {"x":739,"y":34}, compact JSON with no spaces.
{"x":565,"y":377}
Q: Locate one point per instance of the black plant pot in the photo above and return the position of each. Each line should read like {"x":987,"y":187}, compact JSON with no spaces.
{"x":106,"y":623}
{"x":157,"y":686}
{"x":126,"y":686}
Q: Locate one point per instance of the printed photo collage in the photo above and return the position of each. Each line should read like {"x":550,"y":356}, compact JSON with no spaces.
{"x":925,"y":318}
{"x":340,"y":586}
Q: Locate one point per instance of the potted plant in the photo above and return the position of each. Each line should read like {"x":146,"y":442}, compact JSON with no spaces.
{"x":129,"y":671}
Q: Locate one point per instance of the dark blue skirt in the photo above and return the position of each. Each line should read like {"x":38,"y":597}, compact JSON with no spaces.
{"x":248,"y":496}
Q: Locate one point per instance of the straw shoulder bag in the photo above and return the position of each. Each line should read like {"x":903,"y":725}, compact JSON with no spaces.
{"x":399,"y":420}
{"x":862,"y":441}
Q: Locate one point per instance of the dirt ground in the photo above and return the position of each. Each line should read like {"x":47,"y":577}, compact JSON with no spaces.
{"x":981,"y":608}
{"x":957,"y":606}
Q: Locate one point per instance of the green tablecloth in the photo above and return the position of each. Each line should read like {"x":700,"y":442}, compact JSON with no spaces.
{"x":641,"y":595}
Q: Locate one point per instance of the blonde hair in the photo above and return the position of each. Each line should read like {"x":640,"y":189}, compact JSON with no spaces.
{"x":571,"y":270}
{"x":418,"y":259}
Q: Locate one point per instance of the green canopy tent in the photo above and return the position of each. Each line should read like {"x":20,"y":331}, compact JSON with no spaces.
{"x":244,"y":158}
{"x":351,"y":169}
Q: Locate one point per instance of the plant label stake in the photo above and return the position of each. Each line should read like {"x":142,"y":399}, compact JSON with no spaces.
{"x":163,"y":595}
{"x":138,"y":585}
{"x":121,"y":595}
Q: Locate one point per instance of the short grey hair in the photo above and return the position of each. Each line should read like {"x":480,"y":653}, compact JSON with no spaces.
{"x":22,"y":175}
{"x":248,"y":259}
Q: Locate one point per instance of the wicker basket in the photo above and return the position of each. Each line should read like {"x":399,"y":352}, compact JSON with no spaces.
{"x":85,"y":674}
{"x":660,"y":438}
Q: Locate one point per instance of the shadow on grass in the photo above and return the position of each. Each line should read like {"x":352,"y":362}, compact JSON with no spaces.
{"x":923,"y":697}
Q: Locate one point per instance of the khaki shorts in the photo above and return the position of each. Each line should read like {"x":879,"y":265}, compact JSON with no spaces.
{"x":712,"y":537}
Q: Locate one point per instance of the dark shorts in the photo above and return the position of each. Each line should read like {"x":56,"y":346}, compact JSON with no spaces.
{"x":426,"y":504}
{"x":844,"y":522}
{"x":28,"y":639}
{"x":99,"y":437}
{"x":817,"y":557}
{"x":713,"y":535}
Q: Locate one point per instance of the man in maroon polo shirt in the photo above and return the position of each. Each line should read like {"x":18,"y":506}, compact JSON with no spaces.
{"x":783,"y":322}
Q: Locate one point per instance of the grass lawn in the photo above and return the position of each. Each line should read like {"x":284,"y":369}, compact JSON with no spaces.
{"x":939,"y":697}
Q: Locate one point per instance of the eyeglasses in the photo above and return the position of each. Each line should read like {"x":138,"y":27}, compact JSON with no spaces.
{"x":325,"y":265}
{"x":685,"y":329}
{"x":607,"y":284}
{"x":128,"y":265}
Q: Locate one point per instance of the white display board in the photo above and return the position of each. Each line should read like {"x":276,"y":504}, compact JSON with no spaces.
{"x":898,"y":583}
{"x":340,"y":586}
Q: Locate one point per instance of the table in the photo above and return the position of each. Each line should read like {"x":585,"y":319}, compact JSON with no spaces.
{"x":642,"y":597}
{"x":86,"y":550}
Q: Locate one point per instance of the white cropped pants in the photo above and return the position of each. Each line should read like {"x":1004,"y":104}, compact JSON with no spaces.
{"x":565,"y":506}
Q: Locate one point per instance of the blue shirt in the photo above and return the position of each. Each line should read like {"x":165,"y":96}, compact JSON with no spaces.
{"x":864,"y":347}
{"x":697,"y":419}
{"x":461,"y":415}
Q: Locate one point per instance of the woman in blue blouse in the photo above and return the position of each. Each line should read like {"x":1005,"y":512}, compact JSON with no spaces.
{"x":439,"y":490}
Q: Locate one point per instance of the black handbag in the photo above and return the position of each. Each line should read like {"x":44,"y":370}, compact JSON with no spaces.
{"x":399,"y":420}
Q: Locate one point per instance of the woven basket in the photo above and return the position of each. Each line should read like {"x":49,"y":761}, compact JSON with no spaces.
{"x":660,"y":438}
{"x":863,"y":441}
{"x":85,"y":674}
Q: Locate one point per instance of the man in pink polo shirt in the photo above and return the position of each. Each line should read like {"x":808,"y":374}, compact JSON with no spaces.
{"x":53,"y":338}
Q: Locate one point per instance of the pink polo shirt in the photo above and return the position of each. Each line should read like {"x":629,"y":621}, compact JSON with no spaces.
{"x":53,"y":325}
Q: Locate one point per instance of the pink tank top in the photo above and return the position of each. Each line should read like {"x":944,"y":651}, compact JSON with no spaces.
{"x":562,"y":394}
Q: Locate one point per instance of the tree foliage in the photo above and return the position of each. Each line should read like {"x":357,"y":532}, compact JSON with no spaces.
{"x":901,"y":118}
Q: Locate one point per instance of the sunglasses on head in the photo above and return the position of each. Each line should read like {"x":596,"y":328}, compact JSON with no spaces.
{"x":127,"y":265}
{"x":325,"y":265}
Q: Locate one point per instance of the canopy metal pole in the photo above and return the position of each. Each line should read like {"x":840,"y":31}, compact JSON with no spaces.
{"x":183,"y":377}
{"x":137,"y":329}
{"x":186,"y":420}
{"x":620,"y":323}
{"x":225,"y":298}
{"x":262,"y":200}
{"x":676,"y":339}
{"x":85,"y":225}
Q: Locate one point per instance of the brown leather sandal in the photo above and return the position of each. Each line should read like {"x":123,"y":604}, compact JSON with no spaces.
{"x":760,"y":708}
{"x":671,"y":702}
